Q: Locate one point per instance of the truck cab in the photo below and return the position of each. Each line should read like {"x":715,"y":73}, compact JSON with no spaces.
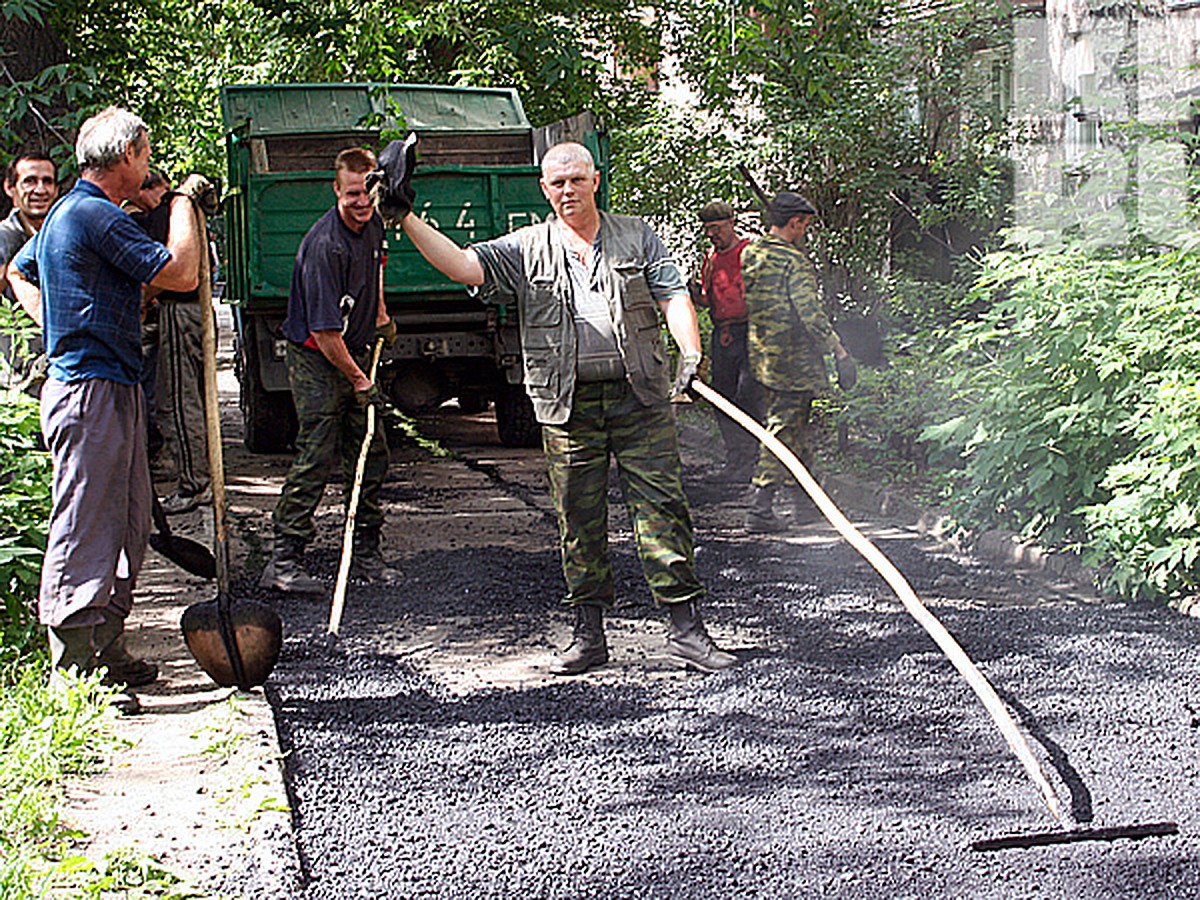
{"x":477,"y":178}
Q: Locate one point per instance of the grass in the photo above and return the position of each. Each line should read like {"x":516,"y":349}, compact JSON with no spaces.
{"x":49,"y":735}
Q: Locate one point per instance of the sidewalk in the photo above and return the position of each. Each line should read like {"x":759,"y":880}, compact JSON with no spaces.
{"x":199,"y":786}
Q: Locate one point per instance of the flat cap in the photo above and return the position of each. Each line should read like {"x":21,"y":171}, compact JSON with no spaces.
{"x":788,"y":204}
{"x":715,"y":211}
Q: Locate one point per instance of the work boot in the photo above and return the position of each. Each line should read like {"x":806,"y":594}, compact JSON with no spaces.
{"x":123,"y":667}
{"x":588,"y":648}
{"x":804,"y":510}
{"x":366,"y":561}
{"x":761,"y":518}
{"x":285,"y":571}
{"x":688,"y":641}
{"x":72,"y":648}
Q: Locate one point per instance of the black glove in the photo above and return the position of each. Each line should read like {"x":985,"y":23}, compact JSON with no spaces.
{"x":389,"y":185}
{"x":847,"y":372}
{"x":685,"y":374}
{"x":200,"y":191}
{"x":387,"y":331}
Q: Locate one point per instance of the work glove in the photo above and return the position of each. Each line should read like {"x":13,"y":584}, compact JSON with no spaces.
{"x":370,"y":397}
{"x":389,"y":185}
{"x":200,"y":191}
{"x":387,"y":331}
{"x":685,"y":374}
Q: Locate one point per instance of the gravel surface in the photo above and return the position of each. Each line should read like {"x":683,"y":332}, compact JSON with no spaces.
{"x":430,"y":754}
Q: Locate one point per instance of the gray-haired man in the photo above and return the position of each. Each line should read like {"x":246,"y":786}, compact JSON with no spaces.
{"x":93,"y":412}
{"x":590,"y":287}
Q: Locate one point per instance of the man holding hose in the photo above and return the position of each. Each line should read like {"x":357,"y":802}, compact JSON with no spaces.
{"x":590,"y":287}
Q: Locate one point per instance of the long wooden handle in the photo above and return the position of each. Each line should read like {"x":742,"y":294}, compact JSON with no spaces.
{"x":212,"y":411}
{"x":339,"y":589}
{"x":949,"y":646}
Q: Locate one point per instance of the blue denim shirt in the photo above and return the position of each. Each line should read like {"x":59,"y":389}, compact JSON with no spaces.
{"x":90,"y":260}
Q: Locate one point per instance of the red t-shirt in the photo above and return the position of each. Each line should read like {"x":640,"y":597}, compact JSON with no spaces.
{"x":721,"y":281}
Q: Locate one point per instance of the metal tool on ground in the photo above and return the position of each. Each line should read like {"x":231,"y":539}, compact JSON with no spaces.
{"x":189,"y":555}
{"x":234,"y":642}
{"x":945,"y":641}
{"x":343,"y":576}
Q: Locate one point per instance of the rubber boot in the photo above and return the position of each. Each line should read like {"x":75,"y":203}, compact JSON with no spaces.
{"x":123,"y":667}
{"x":761,"y":518}
{"x":285,"y":571}
{"x":588,"y":648}
{"x":366,"y":561}
{"x":688,"y":640}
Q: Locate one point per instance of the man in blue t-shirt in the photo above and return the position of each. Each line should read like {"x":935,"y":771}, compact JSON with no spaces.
{"x":81,"y":278}
{"x":335,"y":311}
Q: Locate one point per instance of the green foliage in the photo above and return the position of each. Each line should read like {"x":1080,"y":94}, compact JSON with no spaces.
{"x":861,"y":109}
{"x":46,"y":736}
{"x":166,"y":59}
{"x":25,"y":479}
{"x":1080,"y":425}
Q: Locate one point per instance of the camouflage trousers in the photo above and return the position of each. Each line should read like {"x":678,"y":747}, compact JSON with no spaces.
{"x":608,"y":422}
{"x":332,"y":427}
{"x":788,"y":419}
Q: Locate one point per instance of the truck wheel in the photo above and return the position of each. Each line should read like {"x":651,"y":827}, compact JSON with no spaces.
{"x":515,"y":422}
{"x":268,"y":417}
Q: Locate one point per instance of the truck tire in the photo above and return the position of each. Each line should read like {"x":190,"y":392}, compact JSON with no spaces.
{"x":515,"y":422}
{"x":268,"y":417}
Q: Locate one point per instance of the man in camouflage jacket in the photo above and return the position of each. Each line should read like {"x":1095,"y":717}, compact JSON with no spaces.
{"x":789,"y":337}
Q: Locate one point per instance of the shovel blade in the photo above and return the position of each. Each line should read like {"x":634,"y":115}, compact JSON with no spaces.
{"x":256,"y":629}
{"x":189,"y":555}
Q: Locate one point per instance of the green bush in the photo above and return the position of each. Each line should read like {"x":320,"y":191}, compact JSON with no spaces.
{"x":1080,"y":388}
{"x":25,"y":479}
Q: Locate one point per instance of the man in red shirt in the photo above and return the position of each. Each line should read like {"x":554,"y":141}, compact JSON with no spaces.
{"x":722,"y":292}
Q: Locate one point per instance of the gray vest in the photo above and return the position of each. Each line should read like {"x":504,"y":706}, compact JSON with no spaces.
{"x":548,"y":340}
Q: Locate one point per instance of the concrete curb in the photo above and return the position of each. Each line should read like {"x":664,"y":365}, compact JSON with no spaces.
{"x":994,"y":545}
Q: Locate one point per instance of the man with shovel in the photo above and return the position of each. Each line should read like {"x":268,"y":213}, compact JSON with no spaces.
{"x":590,"y":287}
{"x":81,"y":277}
{"x":336,"y":311}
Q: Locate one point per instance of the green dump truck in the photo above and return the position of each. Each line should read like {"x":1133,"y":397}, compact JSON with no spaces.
{"x":477,"y":179}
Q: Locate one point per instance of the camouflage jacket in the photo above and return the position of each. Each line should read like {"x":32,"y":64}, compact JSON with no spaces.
{"x":789,"y":331}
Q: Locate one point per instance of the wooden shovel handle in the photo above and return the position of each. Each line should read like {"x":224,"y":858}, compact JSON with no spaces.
{"x":339,"y":589}
{"x":949,"y":646}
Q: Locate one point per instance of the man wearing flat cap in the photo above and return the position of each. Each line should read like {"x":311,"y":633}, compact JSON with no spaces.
{"x":724,"y":295}
{"x":789,"y":337}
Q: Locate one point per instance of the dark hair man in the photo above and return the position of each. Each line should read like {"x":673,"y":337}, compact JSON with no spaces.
{"x":724,"y":295}
{"x":590,"y":287}
{"x":789,"y":337}
{"x":31,"y":183}
{"x":336,"y":308}
{"x":173,"y":346}
{"x":93,"y":411}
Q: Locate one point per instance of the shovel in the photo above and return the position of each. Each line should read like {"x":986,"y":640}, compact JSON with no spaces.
{"x":235,"y":643}
{"x":946,"y":643}
{"x":339,"y":590}
{"x":187,"y":554}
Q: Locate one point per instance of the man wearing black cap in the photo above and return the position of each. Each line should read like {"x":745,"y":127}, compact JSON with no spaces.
{"x":789,"y":337}
{"x":723,"y":293}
